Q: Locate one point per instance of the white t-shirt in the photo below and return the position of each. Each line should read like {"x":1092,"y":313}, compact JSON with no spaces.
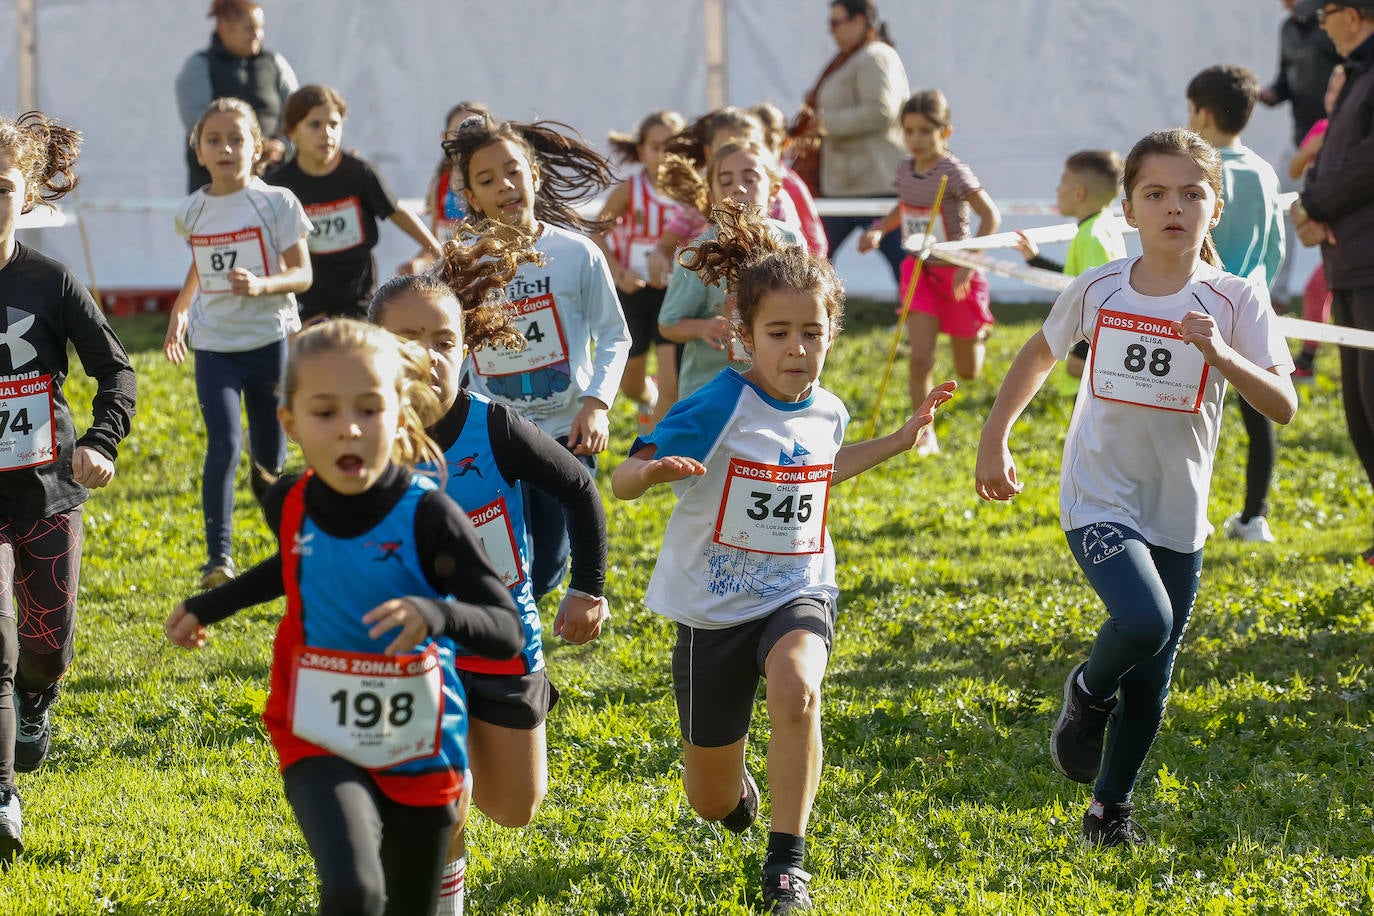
{"x":576,"y":339}
{"x":1144,"y":431}
{"x":250,"y":229}
{"x":750,"y":535}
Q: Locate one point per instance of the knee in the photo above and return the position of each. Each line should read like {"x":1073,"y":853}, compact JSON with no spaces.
{"x":1145,"y":632}
{"x":793,"y":700}
{"x":712,"y":803}
{"x":513,"y":812}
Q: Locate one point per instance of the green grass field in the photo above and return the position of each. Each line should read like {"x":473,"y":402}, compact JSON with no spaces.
{"x":957,"y":624}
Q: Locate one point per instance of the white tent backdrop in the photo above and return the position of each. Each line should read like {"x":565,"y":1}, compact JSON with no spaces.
{"x":1029,"y":81}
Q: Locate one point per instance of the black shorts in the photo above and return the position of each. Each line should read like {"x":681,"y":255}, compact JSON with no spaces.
{"x":641,"y":314}
{"x":518,"y":701}
{"x":716,"y":672}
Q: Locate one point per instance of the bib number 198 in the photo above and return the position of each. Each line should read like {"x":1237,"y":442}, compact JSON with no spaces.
{"x":368,"y":708}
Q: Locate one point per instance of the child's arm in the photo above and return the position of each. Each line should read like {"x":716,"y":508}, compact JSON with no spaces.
{"x":989,"y":219}
{"x":715,"y":331}
{"x":591,"y":428}
{"x":642,"y":470}
{"x":1031,"y":252}
{"x":872,"y":237}
{"x":852,"y":460}
{"x":410,"y":224}
{"x":174,"y":344}
{"x":1304,"y":157}
{"x":661,"y":258}
{"x":995,"y":472}
{"x":1270,"y":391}
{"x":186,"y":625}
{"x":112,"y":409}
{"x":296,"y":278}
{"x":686,"y":298}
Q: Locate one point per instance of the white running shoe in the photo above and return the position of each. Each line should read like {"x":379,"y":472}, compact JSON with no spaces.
{"x":11,"y":824}
{"x":1256,"y":530}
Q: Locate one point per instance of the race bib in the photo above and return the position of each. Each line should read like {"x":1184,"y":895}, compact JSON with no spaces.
{"x":28,"y":436}
{"x":915,"y":222}
{"x":374,"y":710}
{"x":771,"y":509}
{"x":216,"y":255}
{"x":1142,"y":360}
{"x":537,"y":319}
{"x":494,"y":529}
{"x":640,"y":249}
{"x":336,"y":226}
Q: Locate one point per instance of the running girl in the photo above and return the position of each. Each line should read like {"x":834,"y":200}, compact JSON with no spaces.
{"x":489,"y":450}
{"x":948,"y":299}
{"x":640,"y":216}
{"x":444,"y":200}
{"x":236,"y":311}
{"x":345,"y":198}
{"x":750,"y":576}
{"x":696,"y":313}
{"x":45,"y":469}
{"x":375,"y":795}
{"x":1169,"y":330}
{"x":565,"y":379}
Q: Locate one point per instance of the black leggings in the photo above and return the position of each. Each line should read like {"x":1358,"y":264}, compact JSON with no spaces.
{"x":40,"y":563}
{"x":373,"y":856}
{"x":1259,"y":461}
{"x":1355,"y":308}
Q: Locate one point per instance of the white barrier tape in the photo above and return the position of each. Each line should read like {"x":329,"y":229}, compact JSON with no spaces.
{"x":1301,"y":329}
{"x":1040,"y":235}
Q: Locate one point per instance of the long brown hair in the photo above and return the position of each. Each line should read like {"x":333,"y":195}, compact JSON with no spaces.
{"x":681,"y":181}
{"x":1178,"y":141}
{"x":570,"y":171}
{"x":625,"y":147}
{"x":695,"y":141}
{"x":751,"y":261}
{"x":45,"y":153}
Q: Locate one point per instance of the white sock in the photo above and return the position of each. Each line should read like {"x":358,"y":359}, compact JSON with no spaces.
{"x":451,"y":888}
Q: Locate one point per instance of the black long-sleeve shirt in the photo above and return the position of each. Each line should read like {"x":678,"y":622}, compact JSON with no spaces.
{"x":481,"y":615}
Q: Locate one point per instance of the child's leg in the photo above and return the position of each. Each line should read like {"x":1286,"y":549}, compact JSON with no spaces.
{"x":9,"y":655}
{"x":794,"y":669}
{"x":1145,"y":688}
{"x":923,"y":330}
{"x":667,"y":356}
{"x":414,"y":846}
{"x":968,"y":356}
{"x":264,"y":369}
{"x":48,"y":567}
{"x":1259,"y":463}
{"x":218,"y":387}
{"x":966,"y":320}
{"x":507,"y":748}
{"x":712,"y":778}
{"x":634,"y":383}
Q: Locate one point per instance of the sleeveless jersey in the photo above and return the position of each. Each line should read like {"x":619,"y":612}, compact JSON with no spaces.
{"x":637,"y":230}
{"x":497,"y":511}
{"x":330,"y":583}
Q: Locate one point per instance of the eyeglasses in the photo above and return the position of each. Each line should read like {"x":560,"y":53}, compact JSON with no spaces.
{"x":1325,"y":11}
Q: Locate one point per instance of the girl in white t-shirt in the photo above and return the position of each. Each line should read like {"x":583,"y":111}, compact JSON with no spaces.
{"x":1168,"y":330}
{"x":236,"y":311}
{"x":750,"y":575}
{"x":576,"y":338}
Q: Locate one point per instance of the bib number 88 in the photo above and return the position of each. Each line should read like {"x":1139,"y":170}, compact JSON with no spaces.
{"x":791,"y":507}
{"x":368,"y":708}
{"x":1158,"y":362}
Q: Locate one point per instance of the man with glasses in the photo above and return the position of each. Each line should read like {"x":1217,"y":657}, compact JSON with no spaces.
{"x":1336,"y":209}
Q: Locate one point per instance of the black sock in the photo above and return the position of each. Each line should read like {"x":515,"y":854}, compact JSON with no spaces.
{"x":785,"y":850}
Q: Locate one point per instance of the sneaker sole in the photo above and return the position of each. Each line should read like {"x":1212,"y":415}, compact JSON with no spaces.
{"x":1059,"y":726}
{"x":10,"y":846}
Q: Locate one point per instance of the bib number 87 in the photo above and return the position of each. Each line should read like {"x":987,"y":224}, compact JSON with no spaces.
{"x":791,"y":507}
{"x":368,"y":708}
{"x":223,"y":260}
{"x":1159,"y":360}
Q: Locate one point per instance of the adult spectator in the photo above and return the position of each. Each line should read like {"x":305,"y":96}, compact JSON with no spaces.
{"x":1336,"y":209}
{"x":1306,"y":58}
{"x":853,"y":115}
{"x":235,"y":66}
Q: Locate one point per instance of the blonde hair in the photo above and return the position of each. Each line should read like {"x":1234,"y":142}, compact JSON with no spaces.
{"x":44,"y":152}
{"x":420,"y":407}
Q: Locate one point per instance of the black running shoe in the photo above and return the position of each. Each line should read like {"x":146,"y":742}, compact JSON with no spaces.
{"x":34,"y":721}
{"x":1106,"y":826}
{"x":1076,"y":742}
{"x":11,"y":824}
{"x":785,"y":891}
{"x":742,"y":817}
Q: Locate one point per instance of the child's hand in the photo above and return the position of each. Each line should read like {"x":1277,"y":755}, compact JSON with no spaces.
{"x":717,"y":332}
{"x":183,"y":629}
{"x":398,"y":612}
{"x":870,"y":239}
{"x":244,"y":282}
{"x":174,"y":344}
{"x":995,"y":472}
{"x":579,"y":619}
{"x":591,"y":429}
{"x":90,"y":468}
{"x":671,"y":468}
{"x":1200,"y":330}
{"x":660,"y":268}
{"x":963,"y":282}
{"x":627,"y":281}
{"x":1024,"y":245}
{"x":926,"y":415}
{"x":418,"y":264}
